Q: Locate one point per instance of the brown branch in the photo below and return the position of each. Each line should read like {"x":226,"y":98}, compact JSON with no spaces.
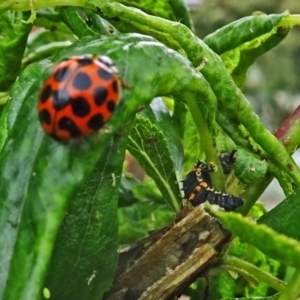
{"x":165,"y":263}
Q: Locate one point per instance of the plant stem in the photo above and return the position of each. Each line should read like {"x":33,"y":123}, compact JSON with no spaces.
{"x":260,"y":275}
{"x":3,"y":97}
{"x":289,"y":131}
{"x":23,"y":5}
{"x":208,"y":144}
{"x":288,"y":134}
{"x":292,"y":291}
{"x":290,"y":21}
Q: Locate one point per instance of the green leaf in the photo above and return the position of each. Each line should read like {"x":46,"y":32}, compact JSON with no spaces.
{"x":76,"y":18}
{"x":141,"y":209}
{"x":241,"y":31}
{"x":42,"y":36}
{"x":148,"y":214}
{"x":13,"y":39}
{"x":20,"y":166}
{"x":85,"y":253}
{"x":241,"y":58}
{"x":46,"y":173}
{"x":191,"y":140}
{"x":133,"y":190}
{"x":158,"y":114}
{"x":179,"y":114}
{"x":175,"y":72}
{"x":266,"y":268}
{"x":221,"y":83}
{"x":127,"y":184}
{"x":249,"y":167}
{"x":284,"y":218}
{"x":149,"y":146}
{"x":50,"y":19}
{"x":277,"y":246}
{"x":181,"y":12}
{"x":43,"y":43}
{"x":223,"y":286}
{"x":243,"y":258}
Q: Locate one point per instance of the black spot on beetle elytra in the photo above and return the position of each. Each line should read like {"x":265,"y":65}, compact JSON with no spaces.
{"x":61,"y":99}
{"x":104,"y":74}
{"x":82,"y":82}
{"x":111,"y":106}
{"x":62,"y":74}
{"x":45,"y":93}
{"x":100,"y":95}
{"x":96,"y":122}
{"x":45,"y":117}
{"x":115,"y":86}
{"x":80,"y":107}
{"x":67,"y":124}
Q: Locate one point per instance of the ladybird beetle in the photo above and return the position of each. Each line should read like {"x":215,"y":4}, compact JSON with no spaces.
{"x":197,"y":189}
{"x":79,"y":96}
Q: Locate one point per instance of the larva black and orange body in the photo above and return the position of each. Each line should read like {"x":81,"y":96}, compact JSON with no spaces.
{"x":197,"y":189}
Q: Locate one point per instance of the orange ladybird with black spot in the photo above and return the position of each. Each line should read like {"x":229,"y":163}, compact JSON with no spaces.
{"x":79,"y":96}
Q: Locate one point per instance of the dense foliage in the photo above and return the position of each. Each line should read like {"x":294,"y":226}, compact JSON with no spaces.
{"x":63,"y":204}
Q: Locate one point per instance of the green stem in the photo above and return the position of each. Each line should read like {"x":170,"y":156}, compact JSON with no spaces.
{"x":253,"y":192}
{"x":289,"y":131}
{"x":208,"y":144}
{"x":290,"y":21}
{"x":292,"y":290}
{"x":3,"y":97}
{"x":284,"y":181}
{"x":176,"y":30}
{"x":260,"y":275}
{"x":288,"y":134}
{"x":23,"y":5}
{"x":231,"y":128}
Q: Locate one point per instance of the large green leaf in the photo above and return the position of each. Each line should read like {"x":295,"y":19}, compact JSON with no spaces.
{"x":249,"y":167}
{"x":284,"y":218}
{"x":148,"y":145}
{"x":241,"y":58}
{"x":155,"y":144}
{"x":85,"y":252}
{"x":241,"y":31}
{"x":159,"y":114}
{"x":39,"y":176}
